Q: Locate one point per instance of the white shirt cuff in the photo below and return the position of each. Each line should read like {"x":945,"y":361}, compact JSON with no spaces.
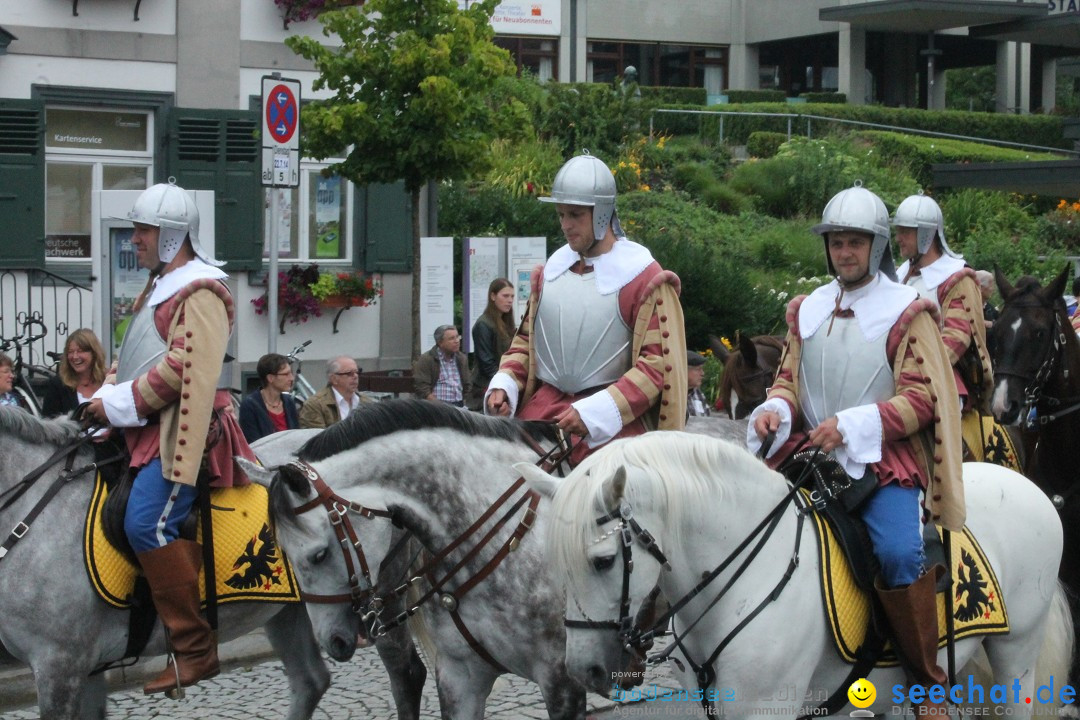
{"x":861,"y":428}
{"x":503,"y":382}
{"x":601,"y":417}
{"x":781,"y":408}
{"x":119,"y":402}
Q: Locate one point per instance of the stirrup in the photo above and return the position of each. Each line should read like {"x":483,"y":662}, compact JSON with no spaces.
{"x":176,"y":692}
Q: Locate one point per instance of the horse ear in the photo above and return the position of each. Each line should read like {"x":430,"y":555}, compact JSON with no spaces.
{"x":257,"y":473}
{"x":1056,"y":288}
{"x":720,"y":351}
{"x":1004,"y":288}
{"x":615,"y":488}
{"x":748,"y":349}
{"x":537,"y":479}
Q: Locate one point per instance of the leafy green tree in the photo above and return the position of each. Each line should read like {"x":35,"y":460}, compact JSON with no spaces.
{"x":410,"y":83}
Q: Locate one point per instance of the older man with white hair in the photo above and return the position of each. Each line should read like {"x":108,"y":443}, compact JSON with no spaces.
{"x":339,"y":398}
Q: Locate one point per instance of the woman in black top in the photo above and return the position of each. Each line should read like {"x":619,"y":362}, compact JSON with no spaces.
{"x":81,"y":373}
{"x":491,"y":336}
{"x":271,"y":408}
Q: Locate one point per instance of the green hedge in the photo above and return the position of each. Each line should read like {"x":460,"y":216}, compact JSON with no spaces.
{"x":825,"y":97}
{"x":1046,"y":130}
{"x":764,"y":144}
{"x":755,"y":96}
{"x":679,"y":95}
{"x":919,"y":153}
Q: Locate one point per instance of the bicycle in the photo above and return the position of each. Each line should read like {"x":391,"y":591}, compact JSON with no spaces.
{"x":302,"y":389}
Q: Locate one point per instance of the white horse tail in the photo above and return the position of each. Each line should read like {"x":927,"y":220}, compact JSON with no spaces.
{"x":1056,"y":654}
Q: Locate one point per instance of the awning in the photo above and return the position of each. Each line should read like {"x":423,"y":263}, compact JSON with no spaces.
{"x":924,"y":16}
{"x":5,"y":40}
{"x":1054,"y":30}
{"x":1051,"y":178}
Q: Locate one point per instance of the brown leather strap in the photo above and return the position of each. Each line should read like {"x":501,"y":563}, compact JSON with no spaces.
{"x":474,"y":643}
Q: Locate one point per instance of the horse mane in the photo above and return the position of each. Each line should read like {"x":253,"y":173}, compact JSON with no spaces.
{"x":384,"y":418}
{"x":684,"y":471}
{"x":28,"y":428}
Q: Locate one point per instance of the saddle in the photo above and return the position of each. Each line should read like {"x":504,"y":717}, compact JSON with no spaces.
{"x":848,"y":567}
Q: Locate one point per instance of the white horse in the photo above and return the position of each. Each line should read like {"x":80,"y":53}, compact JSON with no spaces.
{"x":50,"y":617}
{"x":435,"y":471}
{"x":700,"y":498}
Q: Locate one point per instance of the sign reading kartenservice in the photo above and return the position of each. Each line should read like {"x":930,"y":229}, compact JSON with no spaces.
{"x":525,"y":17}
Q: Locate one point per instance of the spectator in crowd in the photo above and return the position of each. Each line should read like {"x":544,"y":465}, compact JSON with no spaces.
{"x":81,"y":374}
{"x":491,"y":336}
{"x":696,"y":404}
{"x":8,"y":396}
{"x":271,"y":408}
{"x":339,"y":398}
{"x":442,"y":373}
{"x":985,"y":279}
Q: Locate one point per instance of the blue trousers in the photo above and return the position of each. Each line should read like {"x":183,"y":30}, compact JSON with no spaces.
{"x":156,"y":508}
{"x":893,"y":516}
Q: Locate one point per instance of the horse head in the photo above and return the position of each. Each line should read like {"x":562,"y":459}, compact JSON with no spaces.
{"x":1027,"y":343}
{"x":328,"y":537}
{"x":748,"y":371}
{"x":609,"y":565}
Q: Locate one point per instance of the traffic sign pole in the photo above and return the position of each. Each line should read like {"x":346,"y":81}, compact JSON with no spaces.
{"x":280,"y":168}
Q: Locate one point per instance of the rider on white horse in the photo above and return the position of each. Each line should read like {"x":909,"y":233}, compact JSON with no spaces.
{"x":862,"y":374}
{"x":942,"y":277}
{"x":601,"y":348}
{"x":166,"y":395}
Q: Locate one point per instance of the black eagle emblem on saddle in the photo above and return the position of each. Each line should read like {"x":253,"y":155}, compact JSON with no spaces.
{"x":256,"y":568}
{"x":972,"y":598}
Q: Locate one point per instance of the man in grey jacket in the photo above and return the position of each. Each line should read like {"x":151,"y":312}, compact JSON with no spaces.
{"x":442,"y":373}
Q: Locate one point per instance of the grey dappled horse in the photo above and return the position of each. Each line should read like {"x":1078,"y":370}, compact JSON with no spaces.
{"x":50,"y":617}
{"x":436,"y":470}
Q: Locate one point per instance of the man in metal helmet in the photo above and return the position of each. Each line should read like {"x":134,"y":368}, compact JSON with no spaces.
{"x":942,"y":277}
{"x":166,"y":397}
{"x":600,"y":350}
{"x":861,"y":377}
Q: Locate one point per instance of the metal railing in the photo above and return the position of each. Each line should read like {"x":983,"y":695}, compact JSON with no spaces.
{"x":60,"y":305}
{"x":792,"y":117}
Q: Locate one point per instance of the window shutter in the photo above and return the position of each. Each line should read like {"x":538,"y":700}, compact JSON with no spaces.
{"x":219,"y":150}
{"x":22,"y":183}
{"x":388,"y":228}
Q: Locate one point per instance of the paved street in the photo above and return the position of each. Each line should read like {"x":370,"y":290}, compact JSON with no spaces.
{"x":255,"y":687}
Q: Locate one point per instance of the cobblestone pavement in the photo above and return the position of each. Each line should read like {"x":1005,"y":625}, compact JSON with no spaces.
{"x":359,"y":689}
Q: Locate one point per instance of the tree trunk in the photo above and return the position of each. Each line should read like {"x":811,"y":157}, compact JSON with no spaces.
{"x":416,"y":274}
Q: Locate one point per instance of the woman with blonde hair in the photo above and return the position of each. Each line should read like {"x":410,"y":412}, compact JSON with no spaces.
{"x":81,"y":373}
{"x":491,"y":337}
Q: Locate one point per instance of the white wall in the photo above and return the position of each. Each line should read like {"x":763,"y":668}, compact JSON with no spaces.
{"x":157,"y":17}
{"x":19,"y":72}
{"x":261,"y":21}
{"x":657,"y":21}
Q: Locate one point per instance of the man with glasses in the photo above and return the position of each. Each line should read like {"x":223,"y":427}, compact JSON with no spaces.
{"x":339,"y":398}
{"x":442,"y":373}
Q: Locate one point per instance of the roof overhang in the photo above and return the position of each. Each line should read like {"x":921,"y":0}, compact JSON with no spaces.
{"x":5,"y":40}
{"x":1051,"y":178}
{"x":925,"y":16}
{"x":1060,"y":30}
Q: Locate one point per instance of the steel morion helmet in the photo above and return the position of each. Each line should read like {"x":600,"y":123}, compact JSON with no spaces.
{"x":859,"y":210}
{"x":170,"y":208}
{"x":586,"y":180}
{"x":921,"y":212}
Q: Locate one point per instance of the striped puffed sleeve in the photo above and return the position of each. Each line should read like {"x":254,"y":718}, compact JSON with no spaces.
{"x":911,"y":409}
{"x":958,"y":296}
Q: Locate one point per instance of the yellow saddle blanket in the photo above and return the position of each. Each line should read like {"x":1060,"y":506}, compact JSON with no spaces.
{"x":248,"y":565}
{"x":978,"y":607}
{"x":988,"y":441}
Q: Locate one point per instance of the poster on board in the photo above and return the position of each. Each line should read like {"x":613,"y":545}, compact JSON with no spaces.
{"x":484,"y":260}
{"x":436,"y":287}
{"x":523,"y":255}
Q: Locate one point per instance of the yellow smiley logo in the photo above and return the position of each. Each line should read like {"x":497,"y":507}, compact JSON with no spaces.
{"x":862,"y":693}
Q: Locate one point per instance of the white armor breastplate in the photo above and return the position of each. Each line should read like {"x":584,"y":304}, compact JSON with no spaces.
{"x":142,"y":348}
{"x":919,"y":283}
{"x":577,"y":349}
{"x":841,"y":370}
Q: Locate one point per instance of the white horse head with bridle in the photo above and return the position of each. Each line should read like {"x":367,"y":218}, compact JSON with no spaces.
{"x":744,"y":572}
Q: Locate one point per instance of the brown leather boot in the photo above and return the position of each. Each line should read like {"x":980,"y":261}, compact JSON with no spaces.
{"x":173,"y":574}
{"x":912,"y":614}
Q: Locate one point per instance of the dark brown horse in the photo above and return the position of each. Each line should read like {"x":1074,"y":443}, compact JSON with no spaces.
{"x":748,"y":371}
{"x":1036,"y":359}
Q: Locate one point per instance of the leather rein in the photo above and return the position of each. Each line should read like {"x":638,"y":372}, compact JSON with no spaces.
{"x":361,"y":596}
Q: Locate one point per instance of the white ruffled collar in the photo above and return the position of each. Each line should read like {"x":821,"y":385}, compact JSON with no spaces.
{"x":173,"y":281}
{"x":614,"y":269}
{"x":936,"y":272}
{"x":877,"y":306}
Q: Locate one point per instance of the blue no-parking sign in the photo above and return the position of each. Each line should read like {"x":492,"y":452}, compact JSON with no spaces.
{"x":280,"y":132}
